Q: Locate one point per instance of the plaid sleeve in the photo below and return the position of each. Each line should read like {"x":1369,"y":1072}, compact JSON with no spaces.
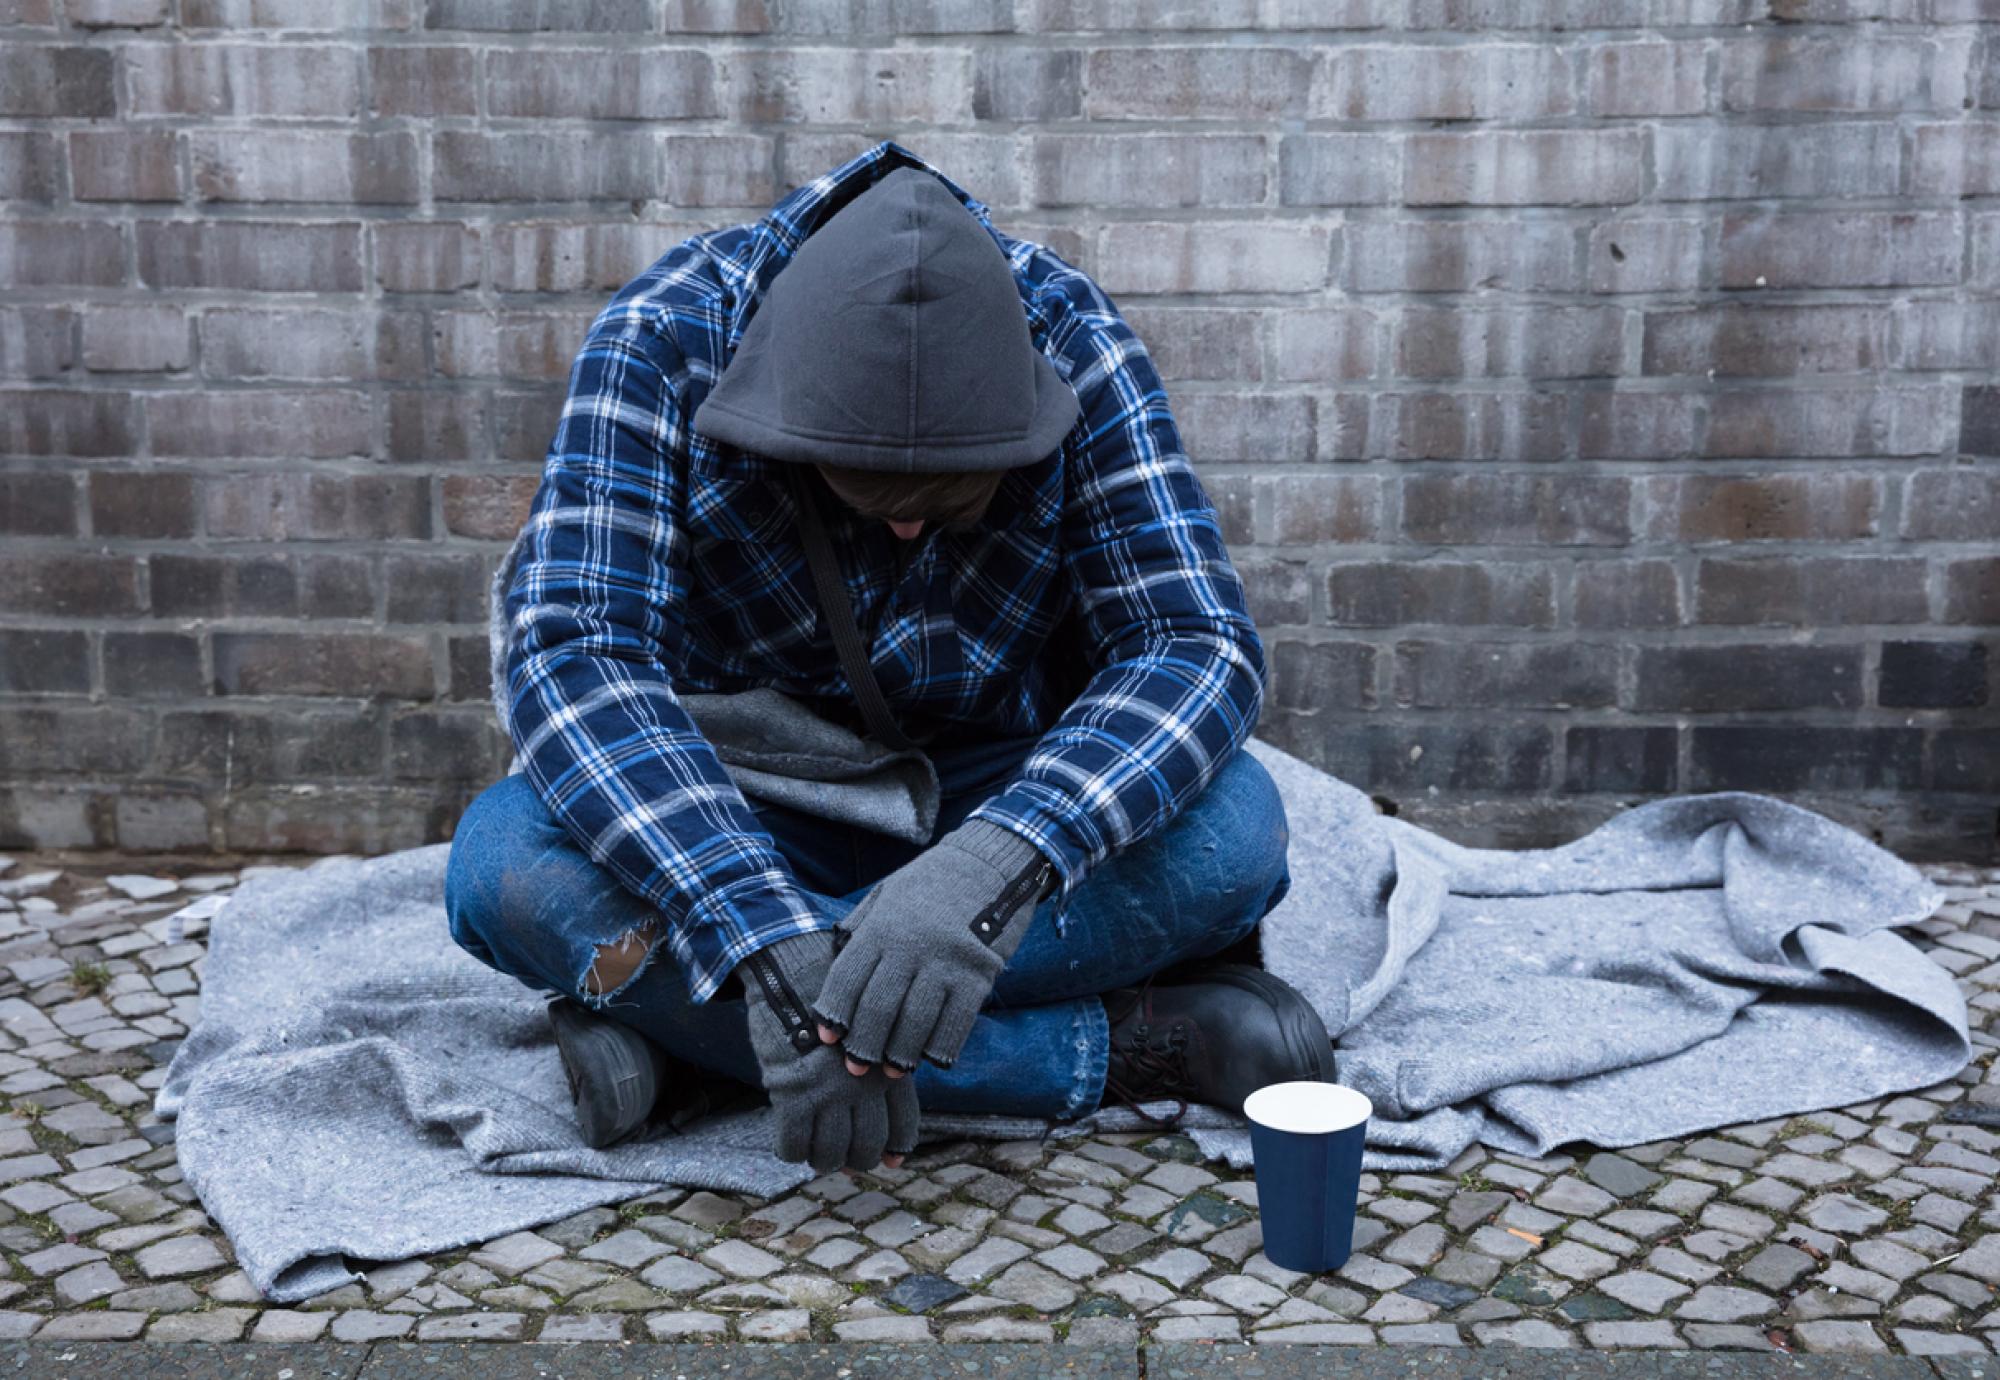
{"x":1179,"y":679}
{"x":595,"y":613}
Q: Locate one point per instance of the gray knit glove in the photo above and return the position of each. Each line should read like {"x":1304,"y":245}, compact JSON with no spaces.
{"x":921,"y":951}
{"x":826,"y":1116}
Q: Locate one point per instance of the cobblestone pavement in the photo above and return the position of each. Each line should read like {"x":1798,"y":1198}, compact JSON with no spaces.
{"x":1871,"y":1228}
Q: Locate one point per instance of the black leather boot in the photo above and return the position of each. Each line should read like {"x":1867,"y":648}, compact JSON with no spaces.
{"x":1214,"y":1036}
{"x":614,"y":1073}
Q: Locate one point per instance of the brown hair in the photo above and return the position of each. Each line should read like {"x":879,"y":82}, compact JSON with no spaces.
{"x":944,"y":499}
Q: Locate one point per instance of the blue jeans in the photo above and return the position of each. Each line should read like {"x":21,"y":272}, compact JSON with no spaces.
{"x":523,"y":898}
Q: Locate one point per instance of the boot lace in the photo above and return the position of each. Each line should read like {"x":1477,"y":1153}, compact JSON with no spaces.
{"x":1153,"y":1062}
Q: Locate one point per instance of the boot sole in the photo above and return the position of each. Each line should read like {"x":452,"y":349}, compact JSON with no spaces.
{"x":1305,"y":1033}
{"x":609,"y":1070}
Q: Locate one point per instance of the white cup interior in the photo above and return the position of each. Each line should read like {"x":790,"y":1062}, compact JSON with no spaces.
{"x":1309,"y":1109}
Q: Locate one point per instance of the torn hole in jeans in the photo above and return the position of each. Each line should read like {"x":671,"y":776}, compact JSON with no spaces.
{"x":616,"y":964}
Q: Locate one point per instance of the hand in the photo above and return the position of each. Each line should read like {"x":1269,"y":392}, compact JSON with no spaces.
{"x":925,"y":945}
{"x":825,"y":1117}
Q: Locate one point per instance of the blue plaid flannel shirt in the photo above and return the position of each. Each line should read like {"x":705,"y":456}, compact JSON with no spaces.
{"x":653,"y":561}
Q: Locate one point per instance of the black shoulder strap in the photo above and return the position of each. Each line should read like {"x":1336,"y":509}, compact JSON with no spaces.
{"x":839,"y":611}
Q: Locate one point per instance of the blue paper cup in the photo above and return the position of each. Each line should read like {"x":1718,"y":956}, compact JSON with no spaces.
{"x":1306,"y":1141}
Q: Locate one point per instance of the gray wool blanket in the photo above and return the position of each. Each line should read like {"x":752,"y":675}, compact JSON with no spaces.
{"x":360,"y":1090}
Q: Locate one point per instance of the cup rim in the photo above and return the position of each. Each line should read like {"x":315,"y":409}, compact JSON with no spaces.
{"x":1308,"y":1107}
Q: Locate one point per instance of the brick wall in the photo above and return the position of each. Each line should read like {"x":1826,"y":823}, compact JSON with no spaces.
{"x":1600,"y":395}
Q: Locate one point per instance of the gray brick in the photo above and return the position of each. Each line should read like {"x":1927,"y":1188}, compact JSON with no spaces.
{"x":59,"y":253}
{"x":1484,"y":81}
{"x":44,"y":80}
{"x":598,"y":84}
{"x":1843,"y":73}
{"x":1696,"y":162}
{"x":210,"y":79}
{"x":274,"y":164}
{"x":426,"y":80}
{"x":533,"y":165}
{"x":1213,"y":256}
{"x":849,"y":85}
{"x":1160,"y":82}
{"x":1841,"y":249}
{"x":1207,"y":170}
{"x":1525,"y":167}
{"x":125,"y":165}
{"x":249,"y":255}
{"x":1646,"y":78}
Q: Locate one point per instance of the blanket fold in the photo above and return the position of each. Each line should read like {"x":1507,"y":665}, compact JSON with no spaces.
{"x":359,"y":1089}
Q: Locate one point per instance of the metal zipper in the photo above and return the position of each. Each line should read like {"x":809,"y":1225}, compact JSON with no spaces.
{"x":791,"y":1012}
{"x":1034,"y":877}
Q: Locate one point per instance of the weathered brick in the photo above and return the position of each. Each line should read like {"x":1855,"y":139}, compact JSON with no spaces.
{"x":572,"y":257}
{"x":37,"y":503}
{"x":1213,"y":256}
{"x":717,"y":170}
{"x":1700,"y":162}
{"x":299,"y":15}
{"x":1956,"y":160}
{"x":1506,"y":675}
{"x":28,"y":162}
{"x":1310,"y":508}
{"x":841,"y":18}
{"x":1525,"y":167}
{"x":1841,"y":249}
{"x":251,"y":343}
{"x":353,"y":665}
{"x":1883,"y":420}
{"x":523,"y":420}
{"x":37,"y":342}
{"x":246,"y":584}
{"x":1246,"y":426}
{"x":1646,"y":78}
{"x":1627,"y":594}
{"x":1485,"y":81}
{"x":601,"y":84}
{"x":1933,"y":675}
{"x":141,"y":503}
{"x":1461,"y":255}
{"x":65,"y":583}
{"x":281,"y":80}
{"x":1517,"y":509}
{"x":1386,"y":594}
{"x":1334,"y":169}
{"x":1276,"y":592}
{"x":1205,"y":343}
{"x":1617,"y":757}
{"x":317,"y":507}
{"x":1871,"y":72}
{"x":445,"y":745}
{"x":1322,"y":675}
{"x":1459,"y":754}
{"x":1761,"y":507}
{"x":116,"y":14}
{"x":1027,"y":84}
{"x":487,"y":507}
{"x":1540,"y":342}
{"x":1767,"y":340}
{"x":49,"y":421}
{"x":471,"y":668}
{"x":1947,"y":335}
{"x":1468,"y":426}
{"x":295,"y":819}
{"x":1979,"y":422}
{"x":44,"y":661}
{"x":1711,"y":679}
{"x":157,"y":821}
{"x":436,"y":588}
{"x":1326,"y":343}
{"x":43,"y":80}
{"x":427,"y":80}
{"x":438,"y":426}
{"x":1109,"y":170}
{"x":39,"y":816}
{"x":137,"y":338}
{"x":1166,"y":82}
{"x":1952,"y":505}
{"x":1645,"y":255}
{"x":275,"y":164}
{"x":98,"y":740}
{"x":61,"y":253}
{"x":529,"y":16}
{"x":264,"y":422}
{"x":1972,"y":590}
{"x":870,"y":85}
{"x":1823,"y":591}
{"x":1798,"y":757}
{"x":512,"y":345}
{"x":152,"y":665}
{"x":544,"y":165}
{"x":250,"y":256}
{"x":426,"y":256}
{"x":255,"y":746}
